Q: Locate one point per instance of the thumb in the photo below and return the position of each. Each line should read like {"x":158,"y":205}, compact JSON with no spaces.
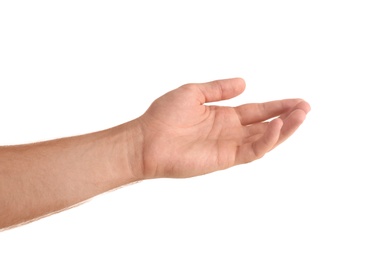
{"x":221,"y":89}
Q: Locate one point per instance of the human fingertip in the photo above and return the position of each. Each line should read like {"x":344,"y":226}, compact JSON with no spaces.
{"x":304,"y":105}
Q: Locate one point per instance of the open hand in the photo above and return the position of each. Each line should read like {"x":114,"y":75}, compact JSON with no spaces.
{"x":184,"y":137}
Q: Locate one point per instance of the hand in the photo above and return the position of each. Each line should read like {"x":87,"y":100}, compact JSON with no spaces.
{"x":183,"y":137}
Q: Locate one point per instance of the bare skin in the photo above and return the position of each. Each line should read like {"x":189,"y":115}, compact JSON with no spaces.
{"x":179,"y":136}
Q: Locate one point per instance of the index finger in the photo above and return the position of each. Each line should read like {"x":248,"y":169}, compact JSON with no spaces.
{"x":258,"y":112}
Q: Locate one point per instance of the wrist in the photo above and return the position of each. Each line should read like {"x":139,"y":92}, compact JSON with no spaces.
{"x":133,"y":150}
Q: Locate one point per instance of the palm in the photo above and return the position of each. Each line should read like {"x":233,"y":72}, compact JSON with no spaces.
{"x":184,"y":138}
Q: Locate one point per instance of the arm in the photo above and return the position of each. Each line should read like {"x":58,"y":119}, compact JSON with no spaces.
{"x":42,"y":178}
{"x":179,"y":136}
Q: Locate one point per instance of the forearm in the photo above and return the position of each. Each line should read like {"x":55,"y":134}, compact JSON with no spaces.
{"x":38,"y":179}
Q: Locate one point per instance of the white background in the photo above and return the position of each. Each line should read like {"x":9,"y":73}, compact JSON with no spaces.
{"x":73,"y":67}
